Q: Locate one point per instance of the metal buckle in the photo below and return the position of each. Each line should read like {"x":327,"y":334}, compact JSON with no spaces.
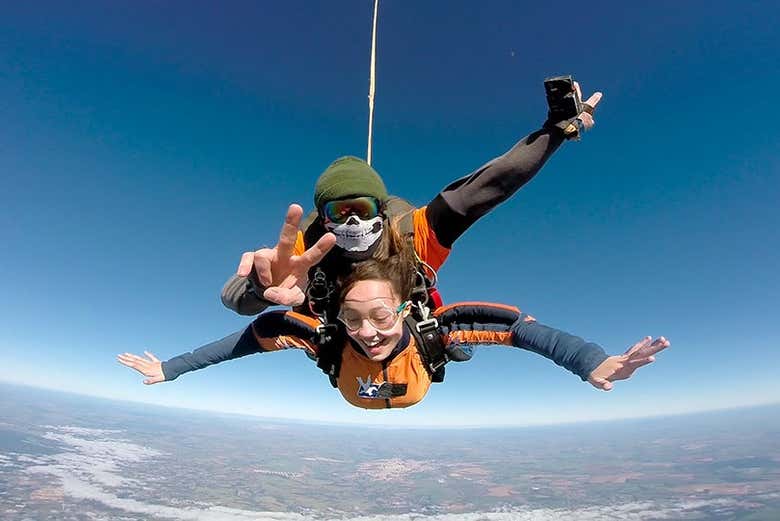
{"x":429,"y":322}
{"x":436,"y":365}
{"x":426,"y":328}
{"x":324,"y":333}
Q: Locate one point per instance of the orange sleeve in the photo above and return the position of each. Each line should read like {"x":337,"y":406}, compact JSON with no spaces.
{"x":476,"y":337}
{"x":277,"y":330}
{"x":473,"y":323}
{"x":425,"y":242}
{"x":287,"y":342}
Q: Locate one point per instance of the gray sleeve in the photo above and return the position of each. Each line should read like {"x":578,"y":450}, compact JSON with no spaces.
{"x":463,"y":202}
{"x":243,"y":296}
{"x":569,"y":351}
{"x":238,"y":344}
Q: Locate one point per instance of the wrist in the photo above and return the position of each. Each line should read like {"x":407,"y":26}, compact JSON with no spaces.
{"x":566,"y":129}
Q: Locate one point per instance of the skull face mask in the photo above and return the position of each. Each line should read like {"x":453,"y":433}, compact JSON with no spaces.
{"x":357,"y":236}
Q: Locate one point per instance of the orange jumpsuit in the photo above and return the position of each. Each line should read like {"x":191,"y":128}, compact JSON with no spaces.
{"x":401,"y":380}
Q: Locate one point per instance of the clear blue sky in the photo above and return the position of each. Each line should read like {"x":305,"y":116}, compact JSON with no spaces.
{"x":145,"y":146}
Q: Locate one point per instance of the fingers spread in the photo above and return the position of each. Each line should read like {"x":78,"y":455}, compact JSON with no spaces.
{"x":130,"y":358}
{"x":134,"y":362}
{"x":650,"y":349}
{"x":633,"y":366}
{"x":639,"y":345}
{"x":125,"y":361}
{"x":641,"y":361}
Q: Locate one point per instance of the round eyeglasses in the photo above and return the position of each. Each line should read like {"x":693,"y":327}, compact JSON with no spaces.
{"x":381,"y":318}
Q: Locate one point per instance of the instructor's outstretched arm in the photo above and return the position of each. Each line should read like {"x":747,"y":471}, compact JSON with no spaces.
{"x":461,"y":203}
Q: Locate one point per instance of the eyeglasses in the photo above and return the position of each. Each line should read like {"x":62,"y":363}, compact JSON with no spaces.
{"x":339,"y":211}
{"x":381,"y":318}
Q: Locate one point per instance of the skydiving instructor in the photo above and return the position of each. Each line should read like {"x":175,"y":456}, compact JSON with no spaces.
{"x":350,"y":188}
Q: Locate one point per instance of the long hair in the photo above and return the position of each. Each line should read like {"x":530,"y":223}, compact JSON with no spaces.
{"x":394,"y":262}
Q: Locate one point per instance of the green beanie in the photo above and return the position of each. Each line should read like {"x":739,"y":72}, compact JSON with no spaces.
{"x":348,"y":176}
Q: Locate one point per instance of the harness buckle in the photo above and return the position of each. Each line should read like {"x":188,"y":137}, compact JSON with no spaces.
{"x":437,"y":364}
{"x":435,"y":354}
{"x":430,"y":324}
{"x":323,"y":333}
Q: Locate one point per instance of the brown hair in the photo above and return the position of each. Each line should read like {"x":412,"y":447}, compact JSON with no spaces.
{"x":394,"y":261}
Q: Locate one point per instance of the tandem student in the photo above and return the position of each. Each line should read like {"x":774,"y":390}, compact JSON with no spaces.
{"x":387,"y":349}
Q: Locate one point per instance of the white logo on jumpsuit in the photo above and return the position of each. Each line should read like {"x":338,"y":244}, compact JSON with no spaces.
{"x":369,"y":388}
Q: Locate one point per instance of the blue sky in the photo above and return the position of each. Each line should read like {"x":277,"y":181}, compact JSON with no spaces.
{"x":145,"y":146}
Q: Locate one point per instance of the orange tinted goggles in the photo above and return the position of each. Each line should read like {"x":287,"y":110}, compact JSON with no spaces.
{"x":339,"y":211}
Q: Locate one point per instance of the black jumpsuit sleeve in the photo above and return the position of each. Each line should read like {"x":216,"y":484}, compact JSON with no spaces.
{"x":461,"y":203}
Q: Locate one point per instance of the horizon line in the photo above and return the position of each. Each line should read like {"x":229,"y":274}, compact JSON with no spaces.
{"x":282,"y":419}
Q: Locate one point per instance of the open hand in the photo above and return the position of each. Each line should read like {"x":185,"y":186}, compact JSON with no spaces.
{"x":283,"y":274}
{"x":621,"y":367}
{"x":148,"y":366}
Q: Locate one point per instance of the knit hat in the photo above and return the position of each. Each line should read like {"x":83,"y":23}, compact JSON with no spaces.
{"x":348,"y":176}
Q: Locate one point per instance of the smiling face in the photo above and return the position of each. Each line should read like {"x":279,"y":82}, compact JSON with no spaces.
{"x":372,"y":303}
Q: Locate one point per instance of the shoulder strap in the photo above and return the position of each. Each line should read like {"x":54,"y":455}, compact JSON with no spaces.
{"x":330,"y":344}
{"x":427,"y":335}
{"x":401,"y":212}
{"x":395,"y":206}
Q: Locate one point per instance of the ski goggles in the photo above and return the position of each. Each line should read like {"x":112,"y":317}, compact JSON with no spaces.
{"x":339,"y":211}
{"x":382,"y":318}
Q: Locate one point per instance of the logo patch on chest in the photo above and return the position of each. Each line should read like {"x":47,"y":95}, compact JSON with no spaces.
{"x":379,"y":390}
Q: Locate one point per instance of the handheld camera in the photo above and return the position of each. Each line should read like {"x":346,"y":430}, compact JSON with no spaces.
{"x":562,"y":98}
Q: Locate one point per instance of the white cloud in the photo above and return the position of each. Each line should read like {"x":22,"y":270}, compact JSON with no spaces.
{"x":90,"y":468}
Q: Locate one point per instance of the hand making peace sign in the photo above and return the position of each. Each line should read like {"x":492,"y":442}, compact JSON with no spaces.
{"x":282,"y":273}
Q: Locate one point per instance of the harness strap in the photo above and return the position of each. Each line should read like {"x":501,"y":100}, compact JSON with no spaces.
{"x":318,"y":293}
{"x":321,"y":291}
{"x":430,"y":345}
{"x":329,"y":347}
